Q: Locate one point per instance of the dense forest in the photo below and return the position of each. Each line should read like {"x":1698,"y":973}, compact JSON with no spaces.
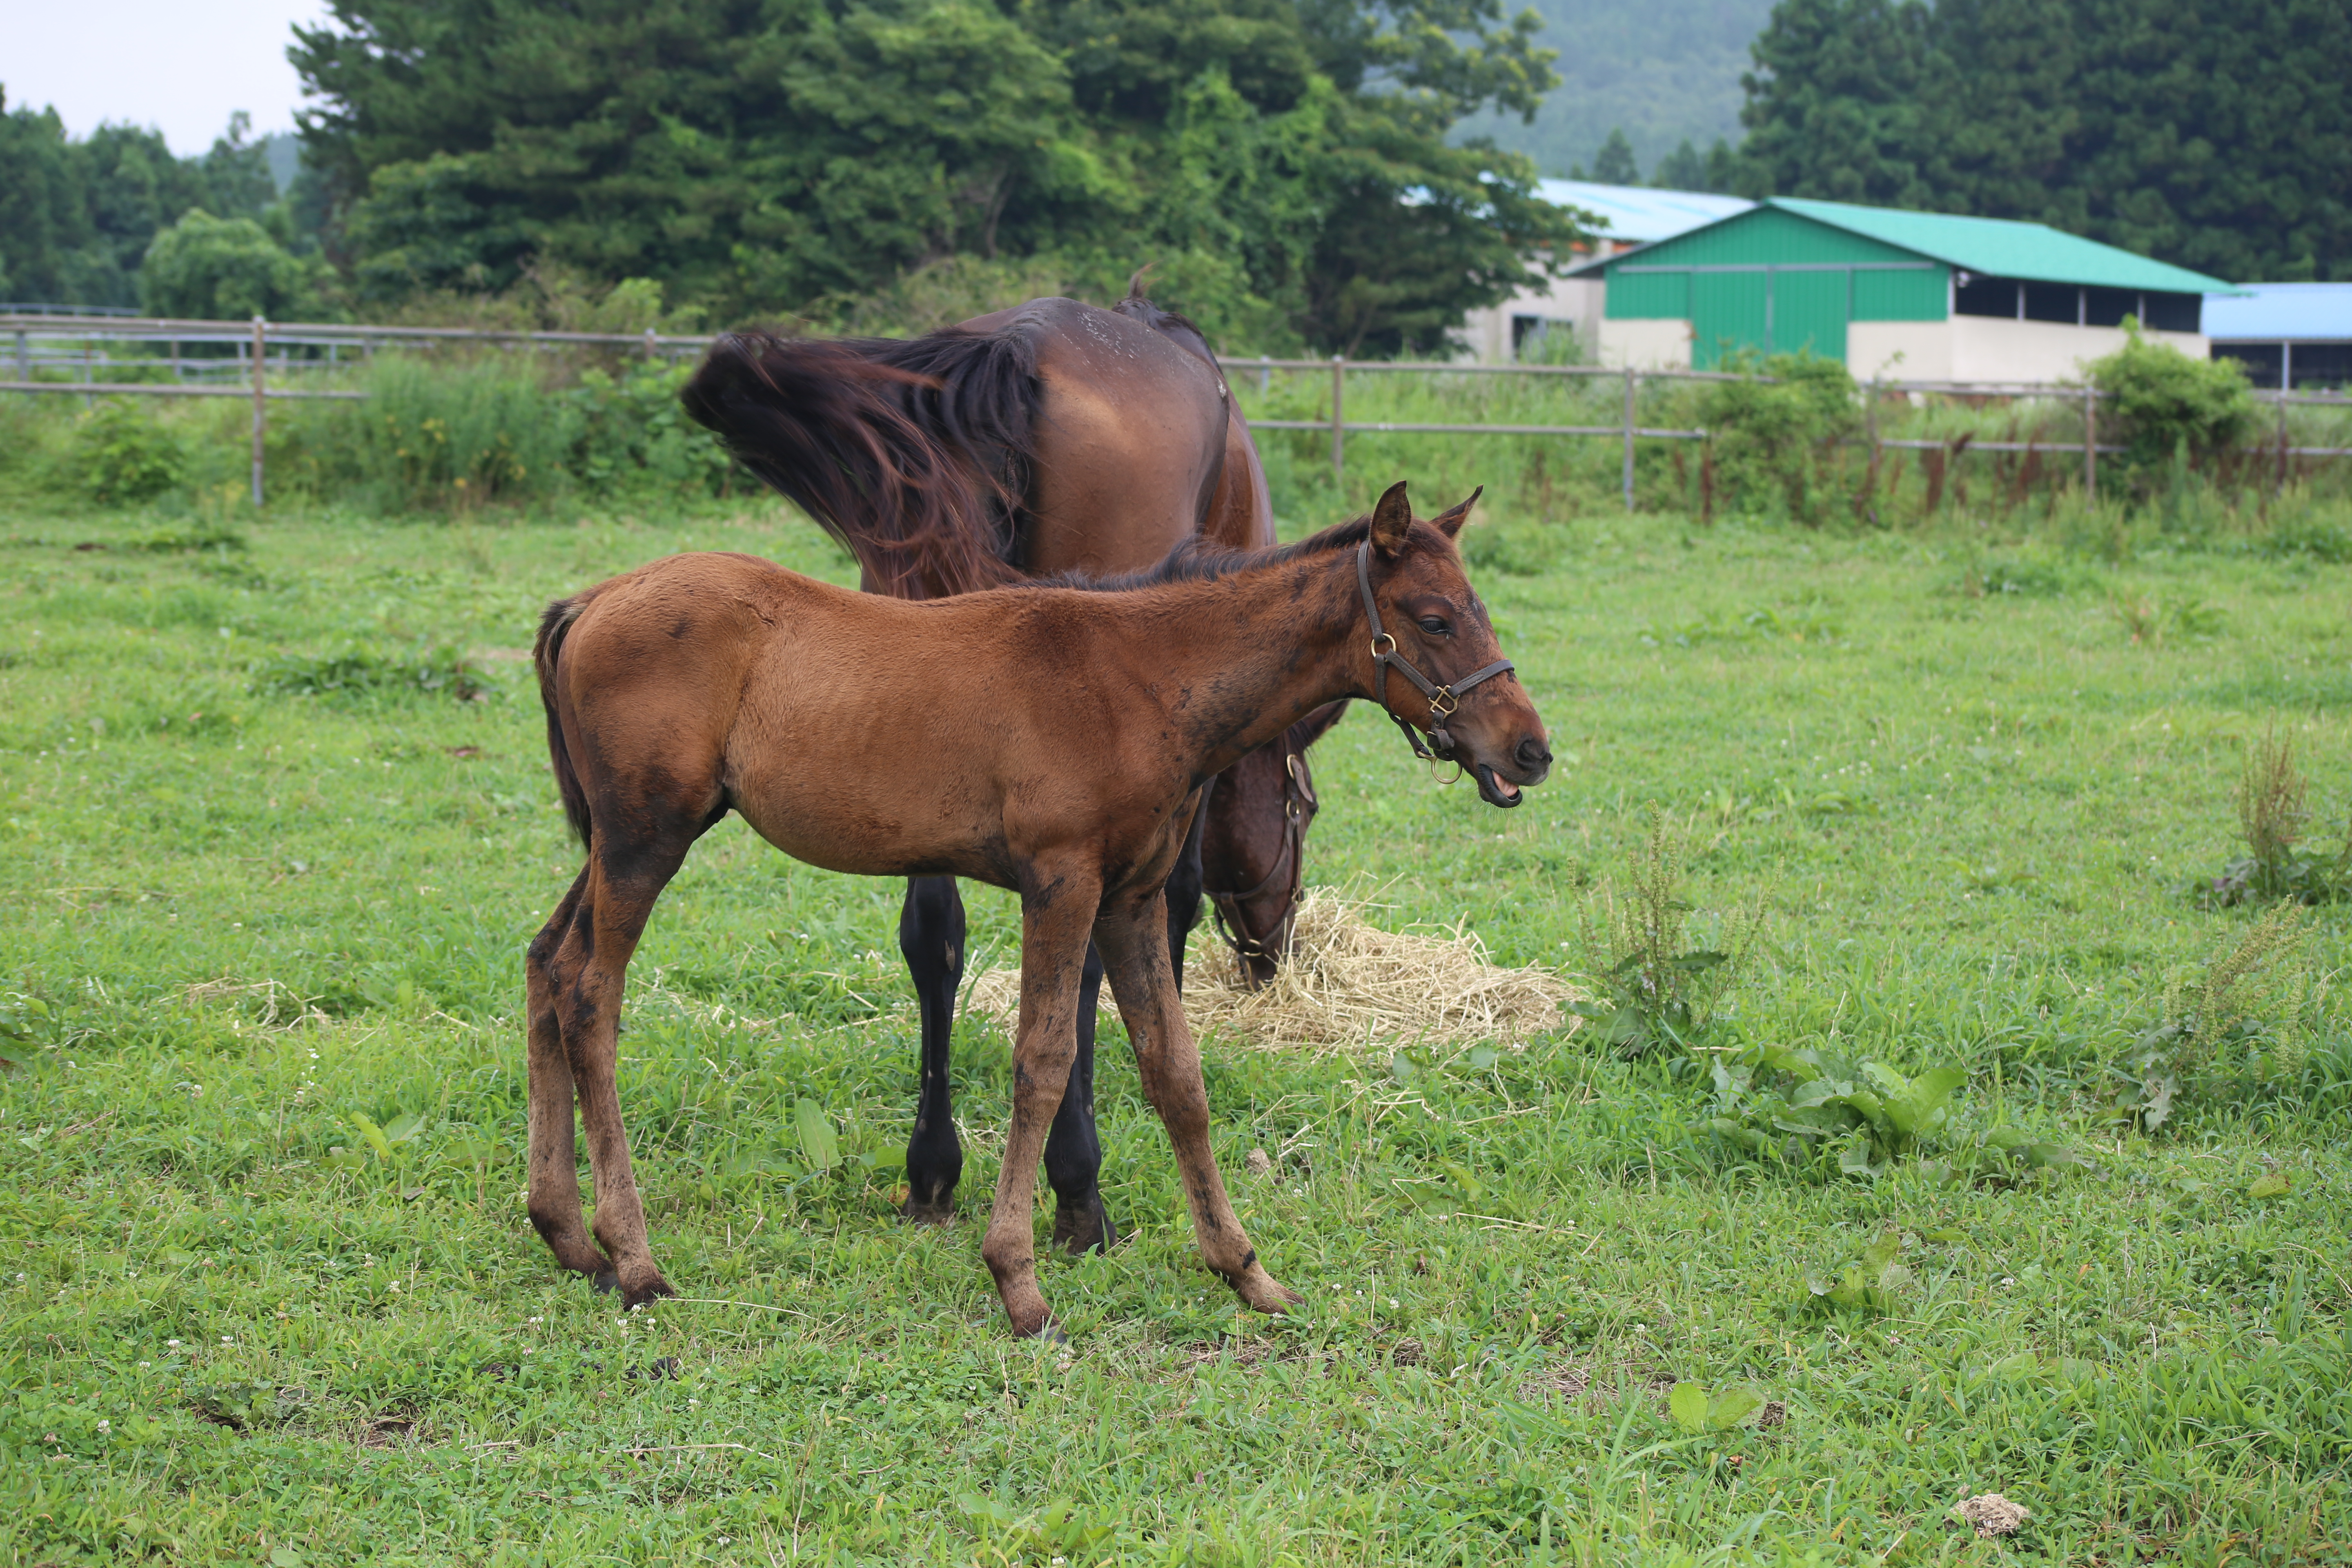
{"x":1302,"y":174}
{"x":2215,"y":134}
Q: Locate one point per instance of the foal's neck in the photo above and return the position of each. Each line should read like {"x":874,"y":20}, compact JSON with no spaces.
{"x":1262,"y":647}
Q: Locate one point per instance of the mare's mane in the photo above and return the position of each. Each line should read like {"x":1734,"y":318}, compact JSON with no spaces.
{"x":1197,"y":558}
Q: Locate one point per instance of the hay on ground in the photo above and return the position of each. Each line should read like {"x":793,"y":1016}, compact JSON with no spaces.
{"x":1348,"y":985}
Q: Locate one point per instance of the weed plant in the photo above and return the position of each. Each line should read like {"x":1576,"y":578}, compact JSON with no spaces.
{"x":241,"y":927}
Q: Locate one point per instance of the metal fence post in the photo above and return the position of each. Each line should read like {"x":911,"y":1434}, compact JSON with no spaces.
{"x":260,"y":402}
{"x":88,"y":375}
{"x":1264,"y":375}
{"x":1629,"y":438}
{"x":1338,"y":433}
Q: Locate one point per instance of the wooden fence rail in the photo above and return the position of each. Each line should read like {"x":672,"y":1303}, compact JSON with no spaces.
{"x":253,"y":341}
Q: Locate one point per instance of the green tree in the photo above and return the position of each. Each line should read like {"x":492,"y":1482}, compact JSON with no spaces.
{"x":757,"y":155}
{"x":1834,"y":104}
{"x":2216,"y":135}
{"x":1613,"y":164}
{"x":228,"y":269}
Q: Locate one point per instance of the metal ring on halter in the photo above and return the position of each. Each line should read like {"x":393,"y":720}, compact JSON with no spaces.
{"x":1378,"y":638}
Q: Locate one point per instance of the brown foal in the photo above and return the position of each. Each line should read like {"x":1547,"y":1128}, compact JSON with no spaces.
{"x":1051,"y":740}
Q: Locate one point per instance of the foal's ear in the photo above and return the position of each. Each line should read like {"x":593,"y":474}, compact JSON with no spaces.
{"x":1392,"y":521}
{"x":1450,"y":522}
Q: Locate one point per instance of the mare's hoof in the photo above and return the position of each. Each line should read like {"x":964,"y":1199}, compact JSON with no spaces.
{"x":941,"y":1210}
{"x":1083,"y":1230}
{"x":638,"y":1296}
{"x":1050,"y":1334}
{"x":607,"y":1281}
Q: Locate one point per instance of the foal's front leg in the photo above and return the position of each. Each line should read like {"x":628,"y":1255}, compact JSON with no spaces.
{"x":1054,"y":921}
{"x":1132,"y":935}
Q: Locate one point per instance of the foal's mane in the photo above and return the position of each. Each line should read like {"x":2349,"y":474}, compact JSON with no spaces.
{"x":1197,"y":558}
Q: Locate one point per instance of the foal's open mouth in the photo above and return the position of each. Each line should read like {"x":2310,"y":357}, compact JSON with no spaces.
{"x":1495,"y":791}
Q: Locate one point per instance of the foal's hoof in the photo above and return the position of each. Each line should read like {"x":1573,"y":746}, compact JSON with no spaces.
{"x":1078,"y":1231}
{"x":1050,"y":1334}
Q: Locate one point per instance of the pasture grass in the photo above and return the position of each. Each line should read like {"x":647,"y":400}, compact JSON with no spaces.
{"x":277,"y":825}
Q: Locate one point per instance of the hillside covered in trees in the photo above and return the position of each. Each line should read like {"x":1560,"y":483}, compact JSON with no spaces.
{"x":2216,"y":134}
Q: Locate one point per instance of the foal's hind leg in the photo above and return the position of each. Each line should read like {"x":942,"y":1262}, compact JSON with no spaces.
{"x":930,"y":936}
{"x":622,"y":881}
{"x":1135,"y":957}
{"x":555,"y":1155}
{"x":1073,"y":1151}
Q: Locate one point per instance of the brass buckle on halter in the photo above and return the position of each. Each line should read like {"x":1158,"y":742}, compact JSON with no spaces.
{"x":1442,"y":702}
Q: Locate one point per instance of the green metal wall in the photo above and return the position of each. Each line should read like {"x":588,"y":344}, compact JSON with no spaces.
{"x":1773,"y":280}
{"x":1921,"y":295}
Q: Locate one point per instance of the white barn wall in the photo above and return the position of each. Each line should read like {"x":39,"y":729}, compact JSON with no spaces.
{"x":1646,"y":344}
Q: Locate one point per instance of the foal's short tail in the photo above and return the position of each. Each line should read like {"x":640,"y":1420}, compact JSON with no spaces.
{"x":915,"y":453}
{"x":545,"y":653}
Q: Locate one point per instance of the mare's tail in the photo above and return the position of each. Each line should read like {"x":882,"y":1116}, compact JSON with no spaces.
{"x":915,"y":453}
{"x":553,"y":626}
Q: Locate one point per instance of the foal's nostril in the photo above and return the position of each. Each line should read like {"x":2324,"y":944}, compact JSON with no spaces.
{"x":1533,"y":753}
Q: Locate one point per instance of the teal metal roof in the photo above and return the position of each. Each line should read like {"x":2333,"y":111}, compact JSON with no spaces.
{"x":1999,"y":248}
{"x":1995,"y":248}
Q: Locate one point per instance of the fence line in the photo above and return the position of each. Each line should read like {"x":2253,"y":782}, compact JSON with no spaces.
{"x":252,"y":364}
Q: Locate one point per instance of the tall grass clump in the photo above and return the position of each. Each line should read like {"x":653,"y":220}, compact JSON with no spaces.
{"x":440,"y":436}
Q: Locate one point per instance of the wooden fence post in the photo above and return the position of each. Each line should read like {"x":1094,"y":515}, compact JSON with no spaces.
{"x":24,"y":356}
{"x":653,"y":349}
{"x":2090,"y":444}
{"x":1339,"y":431}
{"x":1629,"y":438}
{"x":260,"y":402}
{"x":1264,"y":375}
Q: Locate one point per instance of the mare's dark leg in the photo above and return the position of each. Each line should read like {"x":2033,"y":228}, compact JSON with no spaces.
{"x":1073,"y":1149}
{"x":1183,"y":892}
{"x":930,"y":935}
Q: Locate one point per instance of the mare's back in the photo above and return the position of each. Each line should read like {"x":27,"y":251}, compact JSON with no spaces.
{"x":1130,"y":439}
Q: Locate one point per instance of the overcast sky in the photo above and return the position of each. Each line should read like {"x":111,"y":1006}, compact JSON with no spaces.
{"x":182,"y":65}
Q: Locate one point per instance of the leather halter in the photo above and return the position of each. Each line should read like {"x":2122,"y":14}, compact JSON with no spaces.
{"x":1442,"y":700}
{"x":1225,"y":908}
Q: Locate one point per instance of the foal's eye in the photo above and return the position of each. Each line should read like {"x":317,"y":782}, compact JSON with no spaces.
{"x":1435,"y":626}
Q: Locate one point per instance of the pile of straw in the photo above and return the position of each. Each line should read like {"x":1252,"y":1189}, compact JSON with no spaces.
{"x":1348,"y":985}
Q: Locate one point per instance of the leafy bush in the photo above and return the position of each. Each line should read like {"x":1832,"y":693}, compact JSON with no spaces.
{"x":1790,"y":1104}
{"x":2162,"y":402}
{"x":628,"y":432}
{"x":122,"y":453}
{"x":1777,"y":445}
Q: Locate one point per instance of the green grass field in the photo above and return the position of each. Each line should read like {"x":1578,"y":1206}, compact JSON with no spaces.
{"x":269,"y":869}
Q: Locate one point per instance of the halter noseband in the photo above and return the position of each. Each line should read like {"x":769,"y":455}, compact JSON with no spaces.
{"x":1442,"y":700}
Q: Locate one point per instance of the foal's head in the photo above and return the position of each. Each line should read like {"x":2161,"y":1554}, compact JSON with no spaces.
{"x":1440,"y":630}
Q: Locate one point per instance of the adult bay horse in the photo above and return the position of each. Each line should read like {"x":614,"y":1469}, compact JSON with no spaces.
{"x":1065,"y":732}
{"x":1048,"y":439}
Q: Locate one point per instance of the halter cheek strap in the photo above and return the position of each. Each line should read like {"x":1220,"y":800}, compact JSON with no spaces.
{"x":1442,"y":700}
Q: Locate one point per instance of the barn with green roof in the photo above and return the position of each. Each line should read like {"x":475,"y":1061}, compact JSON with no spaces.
{"x":1901,"y":294}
